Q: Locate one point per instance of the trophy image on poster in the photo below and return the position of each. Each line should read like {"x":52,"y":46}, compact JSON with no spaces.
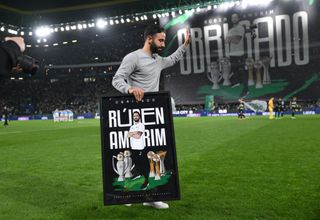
{"x":214,"y":75}
{"x":150,"y":155}
{"x":156,"y":164}
{"x":162,"y":155}
{"x":258,"y":66}
{"x":128,"y":164}
{"x":266,"y":66}
{"x":120,"y":166}
{"x":226,"y":71}
{"x":156,"y":159}
{"x":124,"y":165}
{"x":249,"y":67}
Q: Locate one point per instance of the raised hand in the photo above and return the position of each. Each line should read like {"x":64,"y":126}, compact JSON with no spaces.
{"x":188,"y":38}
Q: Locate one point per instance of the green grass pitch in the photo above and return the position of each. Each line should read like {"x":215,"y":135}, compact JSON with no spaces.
{"x":229,"y":169}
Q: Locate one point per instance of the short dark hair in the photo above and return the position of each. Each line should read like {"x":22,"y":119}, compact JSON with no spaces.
{"x":136,"y":112}
{"x":152,"y":30}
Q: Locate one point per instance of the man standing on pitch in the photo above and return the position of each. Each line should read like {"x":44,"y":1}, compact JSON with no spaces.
{"x":5,"y":116}
{"x":241,"y":109}
{"x":140,"y":70}
{"x":270,"y":107}
{"x":294,"y":107}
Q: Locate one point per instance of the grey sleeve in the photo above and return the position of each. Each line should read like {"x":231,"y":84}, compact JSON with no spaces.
{"x":173,"y":58}
{"x":127,"y":66}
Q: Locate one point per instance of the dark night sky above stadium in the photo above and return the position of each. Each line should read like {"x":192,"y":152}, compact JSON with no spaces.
{"x":35,"y":12}
{"x":36,"y":5}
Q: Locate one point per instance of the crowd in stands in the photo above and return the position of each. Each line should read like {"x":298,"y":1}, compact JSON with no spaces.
{"x":80,"y":94}
{"x":89,"y":49}
{"x":34,"y":96}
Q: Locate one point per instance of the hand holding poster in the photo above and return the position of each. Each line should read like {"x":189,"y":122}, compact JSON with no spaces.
{"x":138,"y":149}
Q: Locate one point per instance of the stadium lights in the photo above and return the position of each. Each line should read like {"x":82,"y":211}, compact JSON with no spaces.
{"x":74,"y":41}
{"x":46,"y":45}
{"x":55,"y":44}
{"x":11,"y":31}
{"x":64,"y":42}
{"x":22,"y":33}
{"x":30,"y":33}
{"x":38,"y":41}
{"x":101,"y":23}
{"x":256,"y":2}
{"x":44,"y":40}
{"x":42,"y":31}
{"x":246,"y":3}
{"x":121,"y":19}
{"x":28,"y":45}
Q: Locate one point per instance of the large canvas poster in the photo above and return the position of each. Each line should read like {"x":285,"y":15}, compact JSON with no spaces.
{"x":138,"y":149}
{"x":277,"y":55}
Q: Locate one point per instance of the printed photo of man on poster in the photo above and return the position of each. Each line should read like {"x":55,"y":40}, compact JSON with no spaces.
{"x":139,"y":159}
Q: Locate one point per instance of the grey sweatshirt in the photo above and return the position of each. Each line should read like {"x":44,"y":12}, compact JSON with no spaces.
{"x":139,"y":69}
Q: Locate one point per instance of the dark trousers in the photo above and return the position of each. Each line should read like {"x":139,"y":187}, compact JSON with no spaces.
{"x":241,"y":114}
{"x":240,"y":75}
{"x":6,"y":122}
{"x":140,"y":159}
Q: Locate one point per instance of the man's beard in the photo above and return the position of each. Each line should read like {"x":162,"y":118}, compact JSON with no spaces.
{"x":235,"y":23}
{"x":136,"y":120}
{"x":155,"y":49}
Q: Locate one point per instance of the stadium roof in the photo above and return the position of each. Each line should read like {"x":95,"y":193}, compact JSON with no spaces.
{"x":32,"y":12}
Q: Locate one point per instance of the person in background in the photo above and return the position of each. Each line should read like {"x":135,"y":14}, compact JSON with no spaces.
{"x":270,"y":107}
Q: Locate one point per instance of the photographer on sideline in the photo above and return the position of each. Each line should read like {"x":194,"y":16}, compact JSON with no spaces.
{"x":10,"y":49}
